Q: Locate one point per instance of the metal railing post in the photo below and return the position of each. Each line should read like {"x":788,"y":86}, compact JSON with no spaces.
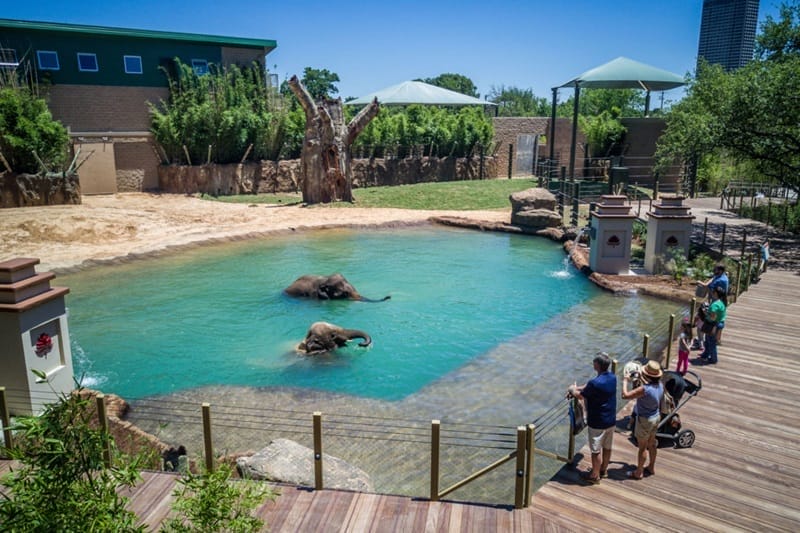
{"x":646,"y":346}
{"x":510,"y":159}
{"x":102,"y":418}
{"x":318,"y":450}
{"x":435,"y":433}
{"x":519,"y":485}
{"x":209,"y":449}
{"x":6,"y":419}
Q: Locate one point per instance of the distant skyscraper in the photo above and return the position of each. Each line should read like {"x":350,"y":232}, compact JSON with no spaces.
{"x":728,"y":32}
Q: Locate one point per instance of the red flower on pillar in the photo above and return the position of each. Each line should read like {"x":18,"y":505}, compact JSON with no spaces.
{"x":44,"y":345}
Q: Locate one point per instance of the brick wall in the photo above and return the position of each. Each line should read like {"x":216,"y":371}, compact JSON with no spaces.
{"x":85,"y":108}
{"x":506,"y":130}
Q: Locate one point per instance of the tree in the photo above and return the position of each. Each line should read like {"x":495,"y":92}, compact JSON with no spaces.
{"x":751,"y":114}
{"x":627,"y":102}
{"x":325,"y":158}
{"x":516,"y":102}
{"x":320,"y":83}
{"x":454,"y":82}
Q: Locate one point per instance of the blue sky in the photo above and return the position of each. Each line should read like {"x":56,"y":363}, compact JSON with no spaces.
{"x":527,"y":44}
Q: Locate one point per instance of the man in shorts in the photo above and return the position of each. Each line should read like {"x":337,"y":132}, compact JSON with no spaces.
{"x":600,"y":397}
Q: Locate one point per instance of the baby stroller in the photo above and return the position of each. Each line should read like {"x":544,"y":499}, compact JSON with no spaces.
{"x":678,"y":391}
{"x":681,"y":389}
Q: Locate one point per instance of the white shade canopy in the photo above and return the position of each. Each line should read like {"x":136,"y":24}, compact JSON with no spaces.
{"x":417,"y":92}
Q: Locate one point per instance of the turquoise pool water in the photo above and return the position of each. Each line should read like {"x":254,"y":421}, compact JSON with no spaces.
{"x":217,"y":315}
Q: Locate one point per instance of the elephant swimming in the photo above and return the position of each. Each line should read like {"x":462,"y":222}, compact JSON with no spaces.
{"x":324,"y":337}
{"x":333,"y":287}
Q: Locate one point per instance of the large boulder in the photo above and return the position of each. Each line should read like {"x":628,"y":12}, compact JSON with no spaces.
{"x":534,"y":209}
{"x":286,"y":461}
{"x":536,"y":198}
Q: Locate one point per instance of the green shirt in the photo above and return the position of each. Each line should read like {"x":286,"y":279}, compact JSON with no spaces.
{"x":717,"y":308}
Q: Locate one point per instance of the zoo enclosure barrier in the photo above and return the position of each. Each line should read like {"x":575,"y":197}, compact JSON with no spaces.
{"x":454,"y":453}
{"x":765,"y":202}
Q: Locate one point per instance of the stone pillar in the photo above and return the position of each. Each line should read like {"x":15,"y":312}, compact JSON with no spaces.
{"x":611,"y":232}
{"x":669,"y":231}
{"x":35,"y":336}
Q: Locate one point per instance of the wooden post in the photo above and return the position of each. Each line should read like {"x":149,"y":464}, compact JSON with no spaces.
{"x":785,"y":213}
{"x":744,"y":242}
{"x":576,"y":202}
{"x":705,"y":231}
{"x":769,"y":209}
{"x":692,"y":309}
{"x":102,"y":418}
{"x":188,"y":159}
{"x":747,"y":274}
{"x":209,"y":448}
{"x":614,"y":365}
{"x":318,"y":450}
{"x":5,"y":418}
{"x":482,"y":166}
{"x":519,"y":486}
{"x":646,"y":346}
{"x":722,"y":240}
{"x":435,"y":432}
{"x":738,"y":280}
{"x":510,"y":158}
{"x":670,"y":337}
{"x":529,"y":460}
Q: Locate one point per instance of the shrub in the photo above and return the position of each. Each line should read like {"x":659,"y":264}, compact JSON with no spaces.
{"x":28,"y":130}
{"x":227,"y":109}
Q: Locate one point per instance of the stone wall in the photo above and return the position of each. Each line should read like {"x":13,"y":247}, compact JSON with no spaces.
{"x":506,"y":130}
{"x":284,"y":176}
{"x":25,"y":190}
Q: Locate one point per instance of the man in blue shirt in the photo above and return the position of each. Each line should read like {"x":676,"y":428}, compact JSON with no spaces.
{"x":600,"y":396}
{"x":720,"y":279}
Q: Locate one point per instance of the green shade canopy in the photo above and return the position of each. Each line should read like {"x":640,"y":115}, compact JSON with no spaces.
{"x":417,"y":92}
{"x":624,"y":73}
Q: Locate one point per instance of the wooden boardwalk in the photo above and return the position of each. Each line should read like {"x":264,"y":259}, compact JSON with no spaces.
{"x":742,"y":474}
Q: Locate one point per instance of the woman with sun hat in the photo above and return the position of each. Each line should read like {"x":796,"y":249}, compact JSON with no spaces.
{"x":648,"y":414}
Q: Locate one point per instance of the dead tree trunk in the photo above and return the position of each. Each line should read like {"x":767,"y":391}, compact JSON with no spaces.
{"x":325,"y":160}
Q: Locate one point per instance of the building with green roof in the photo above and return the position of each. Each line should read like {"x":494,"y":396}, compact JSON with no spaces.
{"x":100,"y":79}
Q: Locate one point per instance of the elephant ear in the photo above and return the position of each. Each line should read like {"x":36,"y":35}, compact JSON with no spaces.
{"x":322,"y":292}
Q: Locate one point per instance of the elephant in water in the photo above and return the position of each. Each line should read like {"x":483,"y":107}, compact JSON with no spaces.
{"x":324,"y":337}
{"x":333,"y":287}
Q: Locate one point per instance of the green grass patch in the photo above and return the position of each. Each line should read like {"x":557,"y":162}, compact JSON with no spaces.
{"x":450,"y":195}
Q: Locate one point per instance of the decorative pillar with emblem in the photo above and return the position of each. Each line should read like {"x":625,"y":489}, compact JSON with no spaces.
{"x":669,"y":231}
{"x":611,"y":232}
{"x":35,"y":336}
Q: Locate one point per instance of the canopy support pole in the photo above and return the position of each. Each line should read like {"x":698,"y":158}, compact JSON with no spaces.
{"x":647,"y":103}
{"x":574,"y":132}
{"x":552,"y":140}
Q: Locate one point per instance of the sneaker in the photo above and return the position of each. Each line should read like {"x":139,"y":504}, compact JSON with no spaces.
{"x":603,"y":473}
{"x":588,"y":480}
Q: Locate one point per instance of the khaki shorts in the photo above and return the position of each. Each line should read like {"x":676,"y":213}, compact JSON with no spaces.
{"x":646,"y":427}
{"x":600,"y":439}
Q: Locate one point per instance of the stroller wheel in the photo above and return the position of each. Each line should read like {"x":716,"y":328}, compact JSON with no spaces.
{"x":685,"y":439}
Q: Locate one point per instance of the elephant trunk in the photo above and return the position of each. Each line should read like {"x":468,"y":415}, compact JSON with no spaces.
{"x":372,"y":300}
{"x":358,"y":334}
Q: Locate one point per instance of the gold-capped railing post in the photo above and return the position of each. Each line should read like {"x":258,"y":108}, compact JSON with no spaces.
{"x":209,"y":448}
{"x":669,"y":338}
{"x":738,"y":279}
{"x":747,"y":274}
{"x":646,"y":346}
{"x":318,"y":450}
{"x":692,"y":309}
{"x":530,"y":436}
{"x":614,"y":365}
{"x":102,"y":418}
{"x":519,"y":487}
{"x":5,"y":418}
{"x":435,"y":427}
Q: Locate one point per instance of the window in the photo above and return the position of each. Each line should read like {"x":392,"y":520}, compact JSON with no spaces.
{"x":87,"y":62}
{"x":8,"y":58}
{"x":200,"y":66}
{"x":133,"y":64}
{"x":48,"y":60}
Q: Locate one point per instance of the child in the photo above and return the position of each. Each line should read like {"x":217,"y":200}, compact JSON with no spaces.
{"x":684,"y":340}
{"x":699,"y":320}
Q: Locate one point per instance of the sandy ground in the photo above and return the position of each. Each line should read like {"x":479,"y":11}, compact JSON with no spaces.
{"x":109,"y":227}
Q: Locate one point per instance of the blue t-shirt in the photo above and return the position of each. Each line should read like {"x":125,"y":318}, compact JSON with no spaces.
{"x":601,"y":401}
{"x":719,"y":281}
